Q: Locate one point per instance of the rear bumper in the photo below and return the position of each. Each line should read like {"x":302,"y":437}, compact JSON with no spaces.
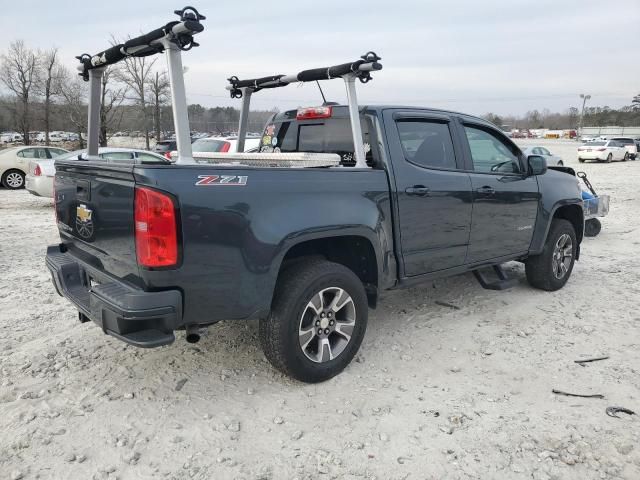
{"x":143,"y":319}
{"x":592,"y":155}
{"x":40,"y":186}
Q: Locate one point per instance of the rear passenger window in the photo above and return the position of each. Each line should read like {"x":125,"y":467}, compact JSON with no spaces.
{"x":491,"y":154}
{"x":427,"y":143}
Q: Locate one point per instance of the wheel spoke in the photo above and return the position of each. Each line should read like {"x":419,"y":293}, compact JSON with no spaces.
{"x":305,"y":336}
{"x":316,"y":303}
{"x":340,"y":301}
{"x":567,"y":252}
{"x":345,"y":329}
{"x":563,"y":268}
{"x":324,"y":350}
{"x":336,"y":299}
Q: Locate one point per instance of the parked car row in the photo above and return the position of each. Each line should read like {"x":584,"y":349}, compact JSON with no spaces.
{"x":40,"y":137}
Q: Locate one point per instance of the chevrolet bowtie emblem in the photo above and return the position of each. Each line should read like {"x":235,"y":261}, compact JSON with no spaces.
{"x":83,"y":213}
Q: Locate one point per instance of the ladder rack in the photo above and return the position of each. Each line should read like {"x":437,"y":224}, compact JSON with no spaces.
{"x":360,"y":69}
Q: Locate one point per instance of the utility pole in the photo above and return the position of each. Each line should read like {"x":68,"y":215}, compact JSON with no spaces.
{"x":584,"y":101}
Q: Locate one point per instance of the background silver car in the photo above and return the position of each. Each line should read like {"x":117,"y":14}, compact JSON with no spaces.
{"x":552,"y":159}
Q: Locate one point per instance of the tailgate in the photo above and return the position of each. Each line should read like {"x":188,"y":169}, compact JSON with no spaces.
{"x":94,"y":211}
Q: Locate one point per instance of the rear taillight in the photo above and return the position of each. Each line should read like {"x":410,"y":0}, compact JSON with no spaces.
{"x":155,"y":229}
{"x":167,"y":155}
{"x":313,"y":112}
{"x":225,"y":147}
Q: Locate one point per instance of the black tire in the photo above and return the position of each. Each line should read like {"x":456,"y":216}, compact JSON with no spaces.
{"x":8,"y":179}
{"x":626,"y":157}
{"x":609,"y":158}
{"x":592,"y":227}
{"x":540,"y":268}
{"x":279,"y":333}
{"x":561,"y":163}
{"x":581,"y":160}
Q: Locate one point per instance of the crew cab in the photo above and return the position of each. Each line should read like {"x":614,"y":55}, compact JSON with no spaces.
{"x":307,"y":233}
{"x":148,"y":249}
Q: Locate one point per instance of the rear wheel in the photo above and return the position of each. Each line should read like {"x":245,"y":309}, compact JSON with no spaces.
{"x":13,"y":179}
{"x":581,"y":160}
{"x":626,"y":157}
{"x":552,"y":268}
{"x":317,"y":322}
{"x":609,"y":158}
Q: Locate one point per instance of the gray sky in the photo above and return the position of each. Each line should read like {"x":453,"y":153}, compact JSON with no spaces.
{"x":473,"y":56}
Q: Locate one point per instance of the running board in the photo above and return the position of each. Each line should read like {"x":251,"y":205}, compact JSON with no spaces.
{"x":502,"y":283}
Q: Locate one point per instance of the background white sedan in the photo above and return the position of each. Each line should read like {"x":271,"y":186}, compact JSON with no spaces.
{"x":552,"y":159}
{"x":603,"y":151}
{"x":42,"y":172}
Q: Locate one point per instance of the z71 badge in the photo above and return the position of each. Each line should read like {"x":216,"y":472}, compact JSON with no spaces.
{"x":215,"y":180}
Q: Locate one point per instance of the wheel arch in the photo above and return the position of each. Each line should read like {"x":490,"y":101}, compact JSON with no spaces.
{"x":573,"y":213}
{"x":354,"y":250}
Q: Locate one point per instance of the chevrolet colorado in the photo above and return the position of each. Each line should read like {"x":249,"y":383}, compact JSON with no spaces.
{"x":148,"y":249}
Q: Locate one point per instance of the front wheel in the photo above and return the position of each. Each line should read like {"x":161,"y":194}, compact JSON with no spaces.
{"x":609,"y":158}
{"x":317,"y":322}
{"x":626,"y":157}
{"x":552,"y":268}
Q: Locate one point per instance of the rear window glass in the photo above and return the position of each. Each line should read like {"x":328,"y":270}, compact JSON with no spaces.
{"x":164,"y":146}
{"x":624,"y":141}
{"x":596,"y":144}
{"x":427,"y":143}
{"x":323,"y":136}
{"x":208,"y":145}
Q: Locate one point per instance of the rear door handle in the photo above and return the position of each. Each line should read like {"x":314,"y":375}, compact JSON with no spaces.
{"x":417,"y":190}
{"x":486,"y":190}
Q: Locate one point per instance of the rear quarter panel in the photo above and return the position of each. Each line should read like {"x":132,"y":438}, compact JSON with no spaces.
{"x":235,"y":237}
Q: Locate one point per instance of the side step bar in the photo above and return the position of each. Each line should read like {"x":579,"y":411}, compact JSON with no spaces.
{"x":503,"y":282}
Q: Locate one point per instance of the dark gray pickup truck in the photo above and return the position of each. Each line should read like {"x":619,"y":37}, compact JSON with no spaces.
{"x":306,"y":233}
{"x":149,"y":249}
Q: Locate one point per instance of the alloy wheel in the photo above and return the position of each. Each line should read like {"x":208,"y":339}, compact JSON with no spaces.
{"x":327,"y":324}
{"x":562,"y":256}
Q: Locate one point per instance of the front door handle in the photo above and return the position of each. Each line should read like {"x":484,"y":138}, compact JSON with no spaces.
{"x":417,"y":190}
{"x":486,"y":190}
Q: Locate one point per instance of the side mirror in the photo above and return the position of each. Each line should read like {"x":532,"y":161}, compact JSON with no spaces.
{"x":537,"y":164}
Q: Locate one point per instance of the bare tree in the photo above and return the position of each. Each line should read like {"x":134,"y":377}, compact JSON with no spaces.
{"x":74,"y":95}
{"x":159,"y":91}
{"x":19,"y":72}
{"x":111,"y":98}
{"x":136,"y":74}
{"x":51,"y":84}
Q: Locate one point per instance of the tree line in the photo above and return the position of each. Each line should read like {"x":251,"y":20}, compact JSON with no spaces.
{"x":627,"y":116}
{"x":43,"y":95}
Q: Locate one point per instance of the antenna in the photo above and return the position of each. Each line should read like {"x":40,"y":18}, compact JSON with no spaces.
{"x":324,"y":100}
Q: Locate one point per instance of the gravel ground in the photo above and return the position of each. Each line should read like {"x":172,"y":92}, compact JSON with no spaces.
{"x":435,"y":392}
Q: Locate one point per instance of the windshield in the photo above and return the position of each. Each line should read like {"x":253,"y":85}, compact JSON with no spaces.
{"x":210,"y":145}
